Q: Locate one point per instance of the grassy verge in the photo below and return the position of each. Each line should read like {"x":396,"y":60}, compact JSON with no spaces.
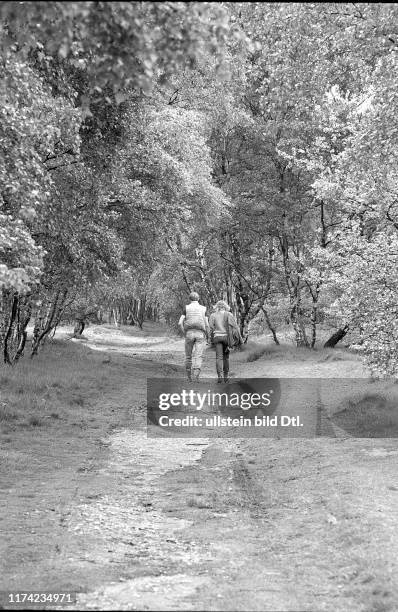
{"x":63,"y":379}
{"x":252,"y":351}
{"x":371,"y":413}
{"x":56,"y":414}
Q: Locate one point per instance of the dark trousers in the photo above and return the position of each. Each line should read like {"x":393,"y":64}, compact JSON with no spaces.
{"x":222,"y":356}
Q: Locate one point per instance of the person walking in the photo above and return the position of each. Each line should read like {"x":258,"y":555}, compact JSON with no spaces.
{"x":194,"y":325}
{"x":219,"y":322}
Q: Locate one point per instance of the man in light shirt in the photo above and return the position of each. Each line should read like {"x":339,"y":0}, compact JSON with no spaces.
{"x":195,"y":327}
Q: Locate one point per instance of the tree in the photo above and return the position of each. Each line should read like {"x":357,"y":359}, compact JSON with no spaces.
{"x":245,"y":150}
{"x":68,"y":83}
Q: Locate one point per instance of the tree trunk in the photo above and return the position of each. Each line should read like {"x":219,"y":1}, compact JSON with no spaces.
{"x":48,"y":319}
{"x":294,"y":285}
{"x":12,"y":322}
{"x":270,"y":326}
{"x":314,"y":292}
{"x":300,"y":335}
{"x":24,"y":315}
{"x":18,"y":309}
{"x":79,"y":327}
{"x":243,"y":314}
{"x":115,"y":320}
{"x":22,"y":344}
{"x":298,"y":326}
{"x":141,"y":312}
{"x":336,"y":337}
{"x":314,"y":317}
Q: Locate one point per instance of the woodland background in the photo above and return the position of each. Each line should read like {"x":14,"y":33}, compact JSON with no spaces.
{"x":244,"y":150}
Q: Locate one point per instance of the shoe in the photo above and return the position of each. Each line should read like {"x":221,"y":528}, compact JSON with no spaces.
{"x":226,"y":378}
{"x":220,"y":379}
{"x":189,"y":376}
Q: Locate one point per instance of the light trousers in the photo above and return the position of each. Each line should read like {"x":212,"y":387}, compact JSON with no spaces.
{"x":195,"y":341}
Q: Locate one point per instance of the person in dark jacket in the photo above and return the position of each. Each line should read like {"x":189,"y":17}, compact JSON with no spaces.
{"x":218,"y":322}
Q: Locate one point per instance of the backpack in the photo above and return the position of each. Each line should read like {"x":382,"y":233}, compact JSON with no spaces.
{"x":234,"y":338}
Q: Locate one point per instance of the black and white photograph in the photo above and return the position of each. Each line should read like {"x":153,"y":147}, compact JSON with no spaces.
{"x":199,"y":306}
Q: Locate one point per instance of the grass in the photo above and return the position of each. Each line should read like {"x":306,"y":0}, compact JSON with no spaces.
{"x":64,"y":378}
{"x":370,"y":414}
{"x":252,"y":351}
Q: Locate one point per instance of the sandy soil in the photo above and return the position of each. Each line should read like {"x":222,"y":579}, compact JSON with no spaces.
{"x":133,"y":523}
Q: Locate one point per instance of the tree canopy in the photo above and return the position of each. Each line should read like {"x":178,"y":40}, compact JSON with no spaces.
{"x":244,"y":150}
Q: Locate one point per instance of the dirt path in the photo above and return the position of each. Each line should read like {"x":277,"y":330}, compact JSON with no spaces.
{"x":234,"y":525}
{"x":178,"y":524}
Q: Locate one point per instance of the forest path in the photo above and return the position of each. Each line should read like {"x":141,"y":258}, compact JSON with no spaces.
{"x":231,"y":524}
{"x":133,"y":523}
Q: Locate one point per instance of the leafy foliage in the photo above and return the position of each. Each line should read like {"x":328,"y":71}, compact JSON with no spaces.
{"x":244,"y":150}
